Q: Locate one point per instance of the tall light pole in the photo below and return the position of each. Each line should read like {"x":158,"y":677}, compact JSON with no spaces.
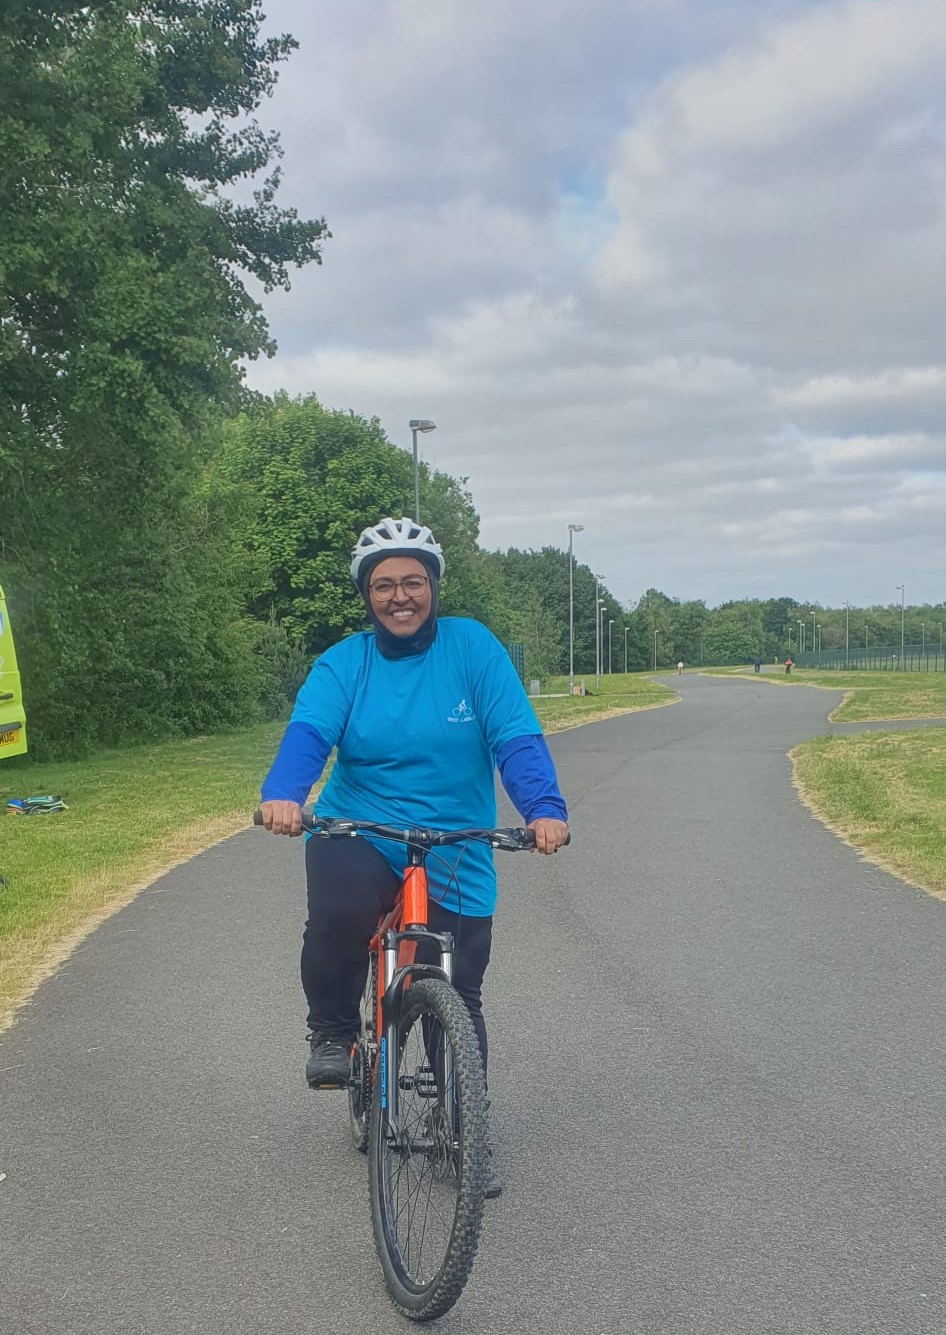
{"x":572,"y":530}
{"x":627,"y":628}
{"x":922,"y":637}
{"x":610,"y":624}
{"x":900,"y":587}
{"x":801,"y":636}
{"x":814,"y":638}
{"x":604,"y":613}
{"x":791,"y":631}
{"x":599,"y":581}
{"x":847,"y":634}
{"x":656,"y":633}
{"x":418,"y":424}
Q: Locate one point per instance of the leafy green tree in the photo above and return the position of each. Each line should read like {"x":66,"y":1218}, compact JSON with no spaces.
{"x":689,"y":622}
{"x":312,"y":479}
{"x":730,"y":636}
{"x":124,"y":125}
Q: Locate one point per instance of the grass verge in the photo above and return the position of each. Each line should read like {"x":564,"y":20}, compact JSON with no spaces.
{"x":868,"y":696}
{"x":884,"y":793}
{"x":133,"y":814}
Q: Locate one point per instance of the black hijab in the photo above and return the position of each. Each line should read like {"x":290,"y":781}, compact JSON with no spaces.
{"x":400,"y":646}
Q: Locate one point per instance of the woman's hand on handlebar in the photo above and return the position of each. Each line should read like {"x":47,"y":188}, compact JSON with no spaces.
{"x":281,"y":817}
{"x":550,"y":834}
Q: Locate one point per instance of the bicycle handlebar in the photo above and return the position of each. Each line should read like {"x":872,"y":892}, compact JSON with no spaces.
{"x":510,"y":840}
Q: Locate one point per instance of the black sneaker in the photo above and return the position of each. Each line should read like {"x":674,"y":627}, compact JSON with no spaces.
{"x":329,"y":1064}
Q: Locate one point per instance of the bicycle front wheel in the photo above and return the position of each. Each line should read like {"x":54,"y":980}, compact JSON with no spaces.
{"x":427,"y":1164}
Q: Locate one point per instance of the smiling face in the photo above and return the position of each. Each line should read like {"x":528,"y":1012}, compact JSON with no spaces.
{"x":400,"y":612}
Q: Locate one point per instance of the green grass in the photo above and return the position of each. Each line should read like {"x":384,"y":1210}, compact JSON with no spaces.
{"x":885,"y":793}
{"x":869,"y":696}
{"x":134,"y":813}
{"x":882,"y":695}
{"x":617,"y":694}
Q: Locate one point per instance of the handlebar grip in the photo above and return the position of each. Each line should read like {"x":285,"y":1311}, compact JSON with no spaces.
{"x":530,"y":839}
{"x":308,"y":820}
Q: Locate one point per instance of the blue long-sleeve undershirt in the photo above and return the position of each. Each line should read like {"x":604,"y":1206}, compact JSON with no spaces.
{"x":528,"y":776}
{"x":299,"y":763}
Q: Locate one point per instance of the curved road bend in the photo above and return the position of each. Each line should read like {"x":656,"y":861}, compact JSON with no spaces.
{"x":718,"y":1075}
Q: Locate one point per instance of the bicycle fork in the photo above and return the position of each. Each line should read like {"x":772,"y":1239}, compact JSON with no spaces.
{"x":435,"y":1079}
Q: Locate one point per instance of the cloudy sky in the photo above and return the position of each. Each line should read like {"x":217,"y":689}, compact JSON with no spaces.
{"x":671,"y":269}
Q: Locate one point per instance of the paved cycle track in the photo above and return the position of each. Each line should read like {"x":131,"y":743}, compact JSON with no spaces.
{"x":718,"y":1071}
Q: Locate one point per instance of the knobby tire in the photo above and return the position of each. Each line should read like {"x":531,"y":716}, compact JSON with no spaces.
{"x":427,"y":1192}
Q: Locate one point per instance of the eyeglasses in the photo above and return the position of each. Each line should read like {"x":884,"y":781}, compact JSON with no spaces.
{"x":413,"y":586}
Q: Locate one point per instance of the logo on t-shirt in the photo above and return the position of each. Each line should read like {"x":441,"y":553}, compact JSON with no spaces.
{"x":462,"y":713}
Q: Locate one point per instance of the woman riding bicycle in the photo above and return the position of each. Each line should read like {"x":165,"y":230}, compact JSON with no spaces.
{"x":422,"y":710}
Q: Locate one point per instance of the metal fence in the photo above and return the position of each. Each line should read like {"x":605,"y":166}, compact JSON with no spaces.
{"x":517,"y":653}
{"x":877,"y":658}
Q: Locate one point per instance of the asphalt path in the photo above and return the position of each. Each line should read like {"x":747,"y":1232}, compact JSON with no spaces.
{"x":718,"y":1064}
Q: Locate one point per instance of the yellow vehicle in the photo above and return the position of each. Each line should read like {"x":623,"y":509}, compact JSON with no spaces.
{"x":12,"y":714}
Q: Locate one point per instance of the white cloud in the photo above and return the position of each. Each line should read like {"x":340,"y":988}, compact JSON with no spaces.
{"x":670,"y":270}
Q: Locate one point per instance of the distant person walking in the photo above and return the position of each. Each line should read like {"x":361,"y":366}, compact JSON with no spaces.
{"x":788,"y":666}
{"x":680,"y":668}
{"x":757,"y":664}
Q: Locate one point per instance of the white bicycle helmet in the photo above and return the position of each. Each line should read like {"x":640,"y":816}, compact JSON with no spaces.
{"x":396,"y":537}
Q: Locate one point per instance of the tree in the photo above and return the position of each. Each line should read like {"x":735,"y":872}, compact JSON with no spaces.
{"x":730,"y":636}
{"x":312,"y":478}
{"x":123,"y":317}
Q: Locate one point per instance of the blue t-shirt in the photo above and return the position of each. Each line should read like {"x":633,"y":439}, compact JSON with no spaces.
{"x":417,"y":740}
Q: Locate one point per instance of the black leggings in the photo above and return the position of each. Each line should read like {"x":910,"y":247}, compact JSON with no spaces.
{"x":349,"y":886}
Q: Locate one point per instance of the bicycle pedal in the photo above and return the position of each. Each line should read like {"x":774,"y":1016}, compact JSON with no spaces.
{"x":331,"y":1084}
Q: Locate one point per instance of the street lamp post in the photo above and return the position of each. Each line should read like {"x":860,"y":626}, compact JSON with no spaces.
{"x":900,"y":587}
{"x":791,"y":631}
{"x":656,"y":633}
{"x":572,"y":530}
{"x":922,"y":637}
{"x":604,"y":613}
{"x":418,"y":424}
{"x":610,"y":624}
{"x":627,"y":628}
{"x":814,"y":638}
{"x":801,"y":636}
{"x":847,"y":634}
{"x":599,"y":580}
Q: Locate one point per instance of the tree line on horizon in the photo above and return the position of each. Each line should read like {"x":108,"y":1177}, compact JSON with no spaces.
{"x":174,"y":549}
